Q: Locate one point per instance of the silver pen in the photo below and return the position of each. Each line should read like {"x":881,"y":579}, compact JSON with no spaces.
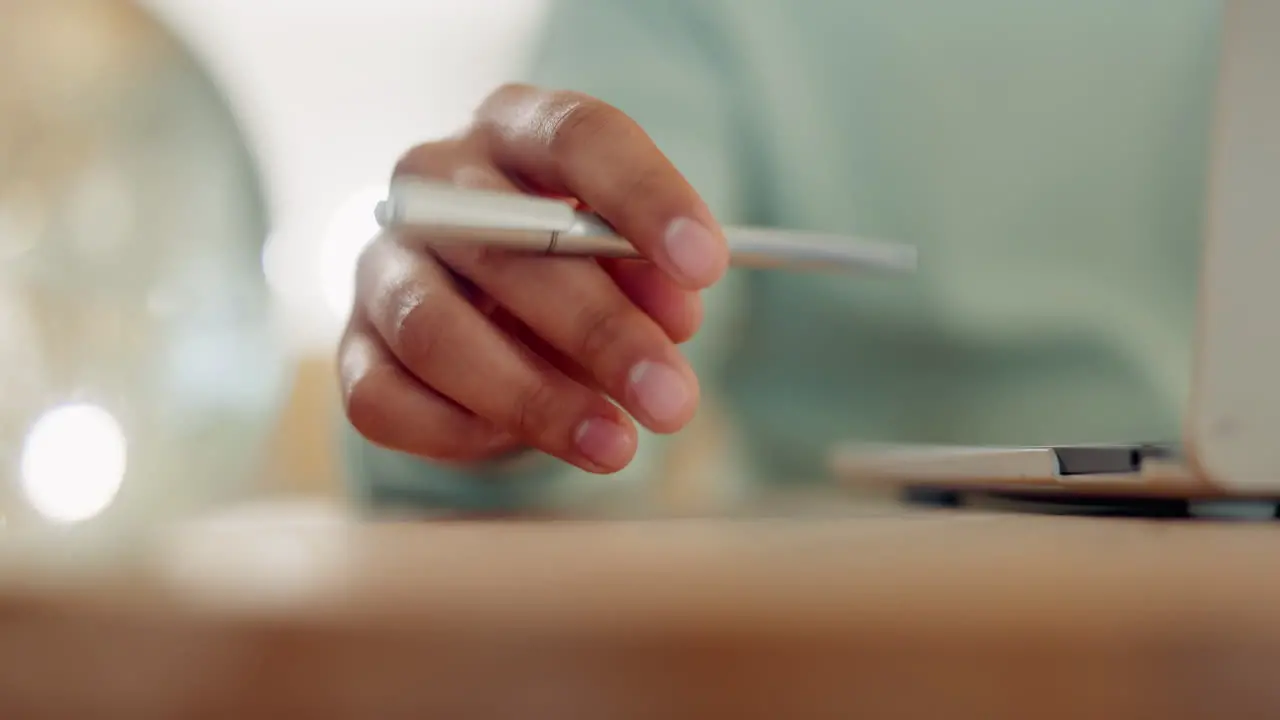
{"x":441,"y":214}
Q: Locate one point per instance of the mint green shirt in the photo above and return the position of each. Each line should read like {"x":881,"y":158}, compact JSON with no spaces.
{"x":1046,"y":157}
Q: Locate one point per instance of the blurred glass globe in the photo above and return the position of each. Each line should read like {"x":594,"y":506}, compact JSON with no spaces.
{"x":139,"y":369}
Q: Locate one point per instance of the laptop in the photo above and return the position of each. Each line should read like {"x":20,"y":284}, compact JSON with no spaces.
{"x":1231,"y":440}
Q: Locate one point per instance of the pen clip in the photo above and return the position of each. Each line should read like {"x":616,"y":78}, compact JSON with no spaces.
{"x":438,"y":205}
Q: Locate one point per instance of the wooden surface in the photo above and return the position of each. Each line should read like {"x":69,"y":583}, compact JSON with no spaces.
{"x":898,"y":615}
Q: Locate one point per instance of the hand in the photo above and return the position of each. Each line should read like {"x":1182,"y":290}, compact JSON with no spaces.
{"x":464,"y":354}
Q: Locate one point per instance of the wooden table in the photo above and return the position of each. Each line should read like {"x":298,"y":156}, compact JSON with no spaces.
{"x":901,"y":615}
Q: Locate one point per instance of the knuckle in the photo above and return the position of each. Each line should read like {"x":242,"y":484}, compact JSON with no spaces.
{"x":417,"y":326}
{"x":645,"y":188}
{"x":574,"y":120}
{"x":648,"y":182}
{"x":535,"y":409}
{"x":364,"y":405}
{"x":405,"y":300}
{"x":599,"y":331}
{"x":388,"y":279}
{"x":479,"y":260}
{"x":369,"y":413}
{"x":471,"y":266}
{"x":432,"y":159}
{"x":493,"y":117}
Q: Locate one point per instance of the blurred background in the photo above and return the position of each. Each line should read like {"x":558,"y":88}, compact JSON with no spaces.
{"x":330,"y":93}
{"x":184,"y":188}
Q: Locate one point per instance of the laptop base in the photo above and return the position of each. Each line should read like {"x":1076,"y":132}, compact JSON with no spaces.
{"x":1154,"y":508}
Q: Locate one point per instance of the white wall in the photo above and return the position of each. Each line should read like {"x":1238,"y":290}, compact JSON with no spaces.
{"x":331,"y":92}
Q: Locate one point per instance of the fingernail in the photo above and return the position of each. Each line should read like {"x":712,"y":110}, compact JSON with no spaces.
{"x":604,"y":443}
{"x":661,"y":390}
{"x":694,"y":250}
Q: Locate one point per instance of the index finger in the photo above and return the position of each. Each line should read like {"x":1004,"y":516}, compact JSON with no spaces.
{"x":571,"y":144}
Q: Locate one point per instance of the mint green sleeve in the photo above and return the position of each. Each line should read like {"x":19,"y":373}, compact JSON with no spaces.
{"x":653,"y":60}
